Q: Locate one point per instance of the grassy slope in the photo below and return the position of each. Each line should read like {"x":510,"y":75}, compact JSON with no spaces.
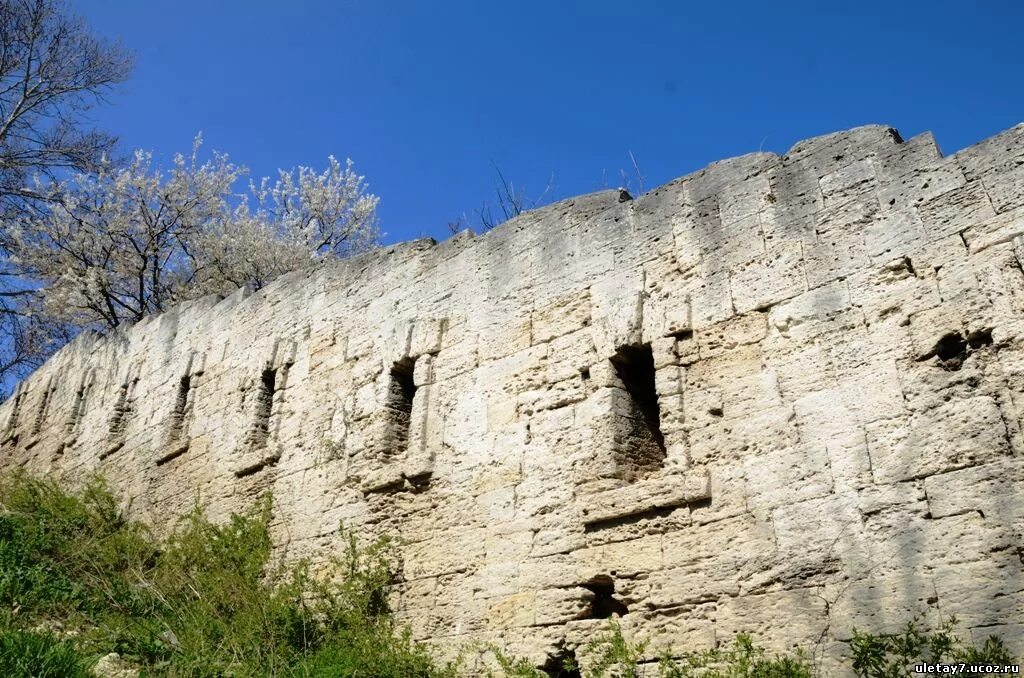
{"x":79,"y":581}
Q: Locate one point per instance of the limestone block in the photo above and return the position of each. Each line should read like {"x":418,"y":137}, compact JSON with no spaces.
{"x":570,"y":355}
{"x":692,"y":583}
{"x":954,"y":211}
{"x":621,"y":559}
{"x":558,"y":606}
{"x":787,"y":475}
{"x":957,"y":434}
{"x":993,"y":489}
{"x":928,"y":327}
{"x":504,"y":338}
{"x":993,"y":155}
{"x":999,"y":229}
{"x":666,"y":315}
{"x":426,"y":336}
{"x":703,"y":407}
{"x":395,"y":342}
{"x":740,"y":330}
{"x":737,"y":538}
{"x":835,"y":520}
{"x":449,"y":552}
{"x":567,"y":314}
{"x":663,"y":352}
{"x":741,"y":200}
{"x":710,"y":298}
{"x":921,"y":184}
{"x":616,"y":314}
{"x":1005,"y":189}
{"x":882,"y":603}
{"x":836,"y":255}
{"x":645,"y":495}
{"x":687,"y":350}
{"x":797,"y":197}
{"x":899,"y":159}
{"x":805,"y":612}
{"x":729,"y":439}
{"x":734,"y":242}
{"x":893,"y":289}
{"x":895,"y":234}
{"x":423,"y":370}
{"x":508,"y":547}
{"x":995,"y":594}
{"x":552,"y":397}
{"x":669,"y":381}
{"x":847,"y":181}
{"x":769,"y":279}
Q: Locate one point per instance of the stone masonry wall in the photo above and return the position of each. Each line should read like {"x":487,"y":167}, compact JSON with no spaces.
{"x":782,"y":395}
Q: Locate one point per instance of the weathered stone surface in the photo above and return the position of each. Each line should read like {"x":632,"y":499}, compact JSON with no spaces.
{"x":782,"y":395}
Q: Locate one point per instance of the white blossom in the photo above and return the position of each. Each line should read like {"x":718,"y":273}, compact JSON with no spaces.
{"x":124,"y":242}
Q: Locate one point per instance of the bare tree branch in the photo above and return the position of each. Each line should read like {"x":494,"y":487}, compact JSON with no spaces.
{"x":53,"y":70}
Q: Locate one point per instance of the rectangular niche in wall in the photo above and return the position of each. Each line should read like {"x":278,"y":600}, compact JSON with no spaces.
{"x":124,"y":410}
{"x":264,"y":408}
{"x":79,"y":405}
{"x":398,"y":406}
{"x":182,"y":408}
{"x":263,"y":402}
{"x":44,"y":405}
{"x":176,"y":441}
{"x":640,"y":445}
{"x":11,"y":427}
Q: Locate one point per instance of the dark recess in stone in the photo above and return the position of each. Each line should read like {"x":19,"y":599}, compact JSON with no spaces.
{"x":180,"y":408}
{"x":401,"y":391}
{"x":952,"y":349}
{"x":264,"y":408}
{"x":605,"y":604}
{"x":979,"y":338}
{"x":555,"y":666}
{"x":634,"y":366}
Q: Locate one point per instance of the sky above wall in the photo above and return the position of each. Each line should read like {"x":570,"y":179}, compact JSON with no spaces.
{"x":428,"y":97}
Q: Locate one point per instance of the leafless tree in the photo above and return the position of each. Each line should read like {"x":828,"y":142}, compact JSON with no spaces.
{"x":53,"y":70}
{"x":510,"y":202}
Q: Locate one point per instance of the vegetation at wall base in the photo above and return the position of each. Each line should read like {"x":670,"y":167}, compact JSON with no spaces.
{"x":78,"y":582}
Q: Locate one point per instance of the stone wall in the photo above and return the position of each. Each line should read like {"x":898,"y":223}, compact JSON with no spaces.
{"x":781,"y":395}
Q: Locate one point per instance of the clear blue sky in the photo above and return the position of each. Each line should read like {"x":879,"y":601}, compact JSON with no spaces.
{"x":423,"y":96}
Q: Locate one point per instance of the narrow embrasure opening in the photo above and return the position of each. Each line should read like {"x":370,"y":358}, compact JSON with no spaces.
{"x":181,"y":406}
{"x":605,"y":604}
{"x":398,"y":405}
{"x":122,"y":410}
{"x":264,"y":408}
{"x":641,"y":433}
{"x":561,"y":664}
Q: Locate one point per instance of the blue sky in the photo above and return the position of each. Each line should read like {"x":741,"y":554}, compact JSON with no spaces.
{"x":425,"y":95}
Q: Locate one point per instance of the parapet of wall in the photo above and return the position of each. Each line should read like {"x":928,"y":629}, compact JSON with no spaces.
{"x":782,"y":395}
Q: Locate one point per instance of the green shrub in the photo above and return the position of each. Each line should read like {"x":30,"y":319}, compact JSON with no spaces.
{"x":40,"y":655}
{"x":894,"y":655}
{"x":207,"y":601}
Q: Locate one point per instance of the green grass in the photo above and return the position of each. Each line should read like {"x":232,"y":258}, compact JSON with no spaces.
{"x":41,"y":655}
{"x":79,"y":581}
{"x":207,"y":601}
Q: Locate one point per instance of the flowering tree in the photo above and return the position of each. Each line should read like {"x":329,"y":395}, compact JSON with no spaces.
{"x":87,"y":242}
{"x":124,"y":242}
